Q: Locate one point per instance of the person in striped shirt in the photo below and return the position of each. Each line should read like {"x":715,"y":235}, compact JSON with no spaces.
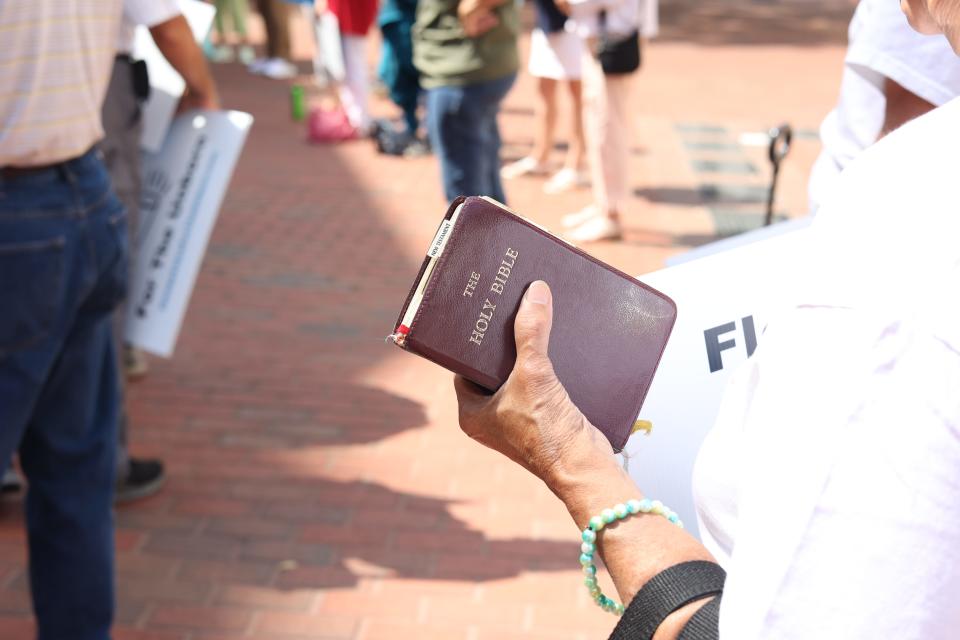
{"x":62,"y":272}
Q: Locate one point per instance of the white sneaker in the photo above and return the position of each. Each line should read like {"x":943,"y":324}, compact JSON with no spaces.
{"x":565,"y":180}
{"x":597,"y":228}
{"x":523,"y":167}
{"x":279,"y":69}
{"x":576,"y":219}
{"x":258,"y":65}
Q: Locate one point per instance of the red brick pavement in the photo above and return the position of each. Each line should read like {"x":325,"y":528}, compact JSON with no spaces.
{"x":319,"y":486}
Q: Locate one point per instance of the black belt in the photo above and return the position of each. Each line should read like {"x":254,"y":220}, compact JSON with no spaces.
{"x":11,"y":173}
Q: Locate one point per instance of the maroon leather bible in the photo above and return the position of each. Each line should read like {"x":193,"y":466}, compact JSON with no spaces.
{"x":609,"y":329}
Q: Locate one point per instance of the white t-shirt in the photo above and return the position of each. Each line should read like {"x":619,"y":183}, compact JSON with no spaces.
{"x":623,"y":17}
{"x":148,"y":13}
{"x":881,"y":44}
{"x":830,"y":486}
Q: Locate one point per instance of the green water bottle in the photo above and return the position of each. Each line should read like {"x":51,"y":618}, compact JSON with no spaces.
{"x":298,"y":103}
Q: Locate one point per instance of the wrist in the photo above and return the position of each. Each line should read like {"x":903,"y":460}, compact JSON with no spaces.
{"x":204,"y":95}
{"x":586,"y":477}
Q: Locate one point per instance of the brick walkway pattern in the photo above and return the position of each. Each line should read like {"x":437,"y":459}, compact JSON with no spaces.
{"x":319,"y":485}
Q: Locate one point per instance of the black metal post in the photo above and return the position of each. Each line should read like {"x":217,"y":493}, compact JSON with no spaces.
{"x":780,"y":139}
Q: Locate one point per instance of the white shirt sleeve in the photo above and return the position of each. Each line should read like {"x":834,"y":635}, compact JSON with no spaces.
{"x":149,"y":13}
{"x":885,"y":45}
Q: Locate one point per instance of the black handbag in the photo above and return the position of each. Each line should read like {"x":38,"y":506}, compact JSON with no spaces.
{"x":617,"y":54}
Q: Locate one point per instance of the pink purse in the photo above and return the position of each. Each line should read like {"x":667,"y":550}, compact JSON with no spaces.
{"x":329,"y":125}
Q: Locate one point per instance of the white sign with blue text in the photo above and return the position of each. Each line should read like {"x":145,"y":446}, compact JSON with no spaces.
{"x":183,"y":187}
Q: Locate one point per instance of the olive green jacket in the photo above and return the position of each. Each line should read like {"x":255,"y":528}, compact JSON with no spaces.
{"x":444,"y":54}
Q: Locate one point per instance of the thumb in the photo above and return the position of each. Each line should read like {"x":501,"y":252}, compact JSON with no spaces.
{"x":534,"y":320}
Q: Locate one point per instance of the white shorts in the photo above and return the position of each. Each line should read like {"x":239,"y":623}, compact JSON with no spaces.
{"x":555,"y":55}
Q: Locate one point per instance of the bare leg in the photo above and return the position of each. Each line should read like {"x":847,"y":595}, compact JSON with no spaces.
{"x":534,"y":163}
{"x":601,"y":115}
{"x":577,"y":148}
{"x":546,"y":120}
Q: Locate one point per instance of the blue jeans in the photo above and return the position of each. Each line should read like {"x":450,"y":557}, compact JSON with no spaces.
{"x":62,"y":272}
{"x":462,"y":122}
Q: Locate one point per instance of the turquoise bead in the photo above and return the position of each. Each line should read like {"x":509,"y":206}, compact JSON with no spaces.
{"x":589,"y":538}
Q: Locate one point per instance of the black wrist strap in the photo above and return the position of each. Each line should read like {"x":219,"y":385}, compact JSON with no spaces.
{"x":666,"y":592}
{"x":705,"y":623}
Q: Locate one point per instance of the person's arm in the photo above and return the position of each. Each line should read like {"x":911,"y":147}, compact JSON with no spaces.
{"x":532,"y":420}
{"x":587,"y":6}
{"x":466,"y":6}
{"x":902,"y":106}
{"x":177,"y":44}
{"x":477,"y":16}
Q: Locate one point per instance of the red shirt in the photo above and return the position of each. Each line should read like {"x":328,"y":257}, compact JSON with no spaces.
{"x":355,"y":16}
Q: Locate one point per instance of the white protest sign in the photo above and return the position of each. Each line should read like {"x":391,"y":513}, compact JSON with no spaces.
{"x":724,"y":302}
{"x":183,"y":187}
{"x":166,"y":85}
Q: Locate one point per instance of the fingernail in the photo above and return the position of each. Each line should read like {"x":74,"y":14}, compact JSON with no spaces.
{"x":538,"y":292}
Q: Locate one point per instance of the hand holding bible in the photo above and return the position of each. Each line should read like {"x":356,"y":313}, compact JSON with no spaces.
{"x":531,"y":419}
{"x":605,"y":341}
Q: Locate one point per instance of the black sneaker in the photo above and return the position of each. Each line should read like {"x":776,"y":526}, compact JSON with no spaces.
{"x":144,"y":478}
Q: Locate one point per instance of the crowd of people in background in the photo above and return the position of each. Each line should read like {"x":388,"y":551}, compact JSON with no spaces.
{"x":457,"y":61}
{"x":448,"y":65}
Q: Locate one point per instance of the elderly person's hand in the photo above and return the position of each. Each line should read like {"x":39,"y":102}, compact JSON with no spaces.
{"x":531,"y":419}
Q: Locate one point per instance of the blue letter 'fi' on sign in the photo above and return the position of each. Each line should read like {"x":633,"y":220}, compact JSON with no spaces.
{"x":715,"y":347}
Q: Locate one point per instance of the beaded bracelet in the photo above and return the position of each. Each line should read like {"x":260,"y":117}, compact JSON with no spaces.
{"x":589,"y":546}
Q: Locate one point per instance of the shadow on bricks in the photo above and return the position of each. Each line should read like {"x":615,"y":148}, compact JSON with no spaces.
{"x":373,"y":531}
